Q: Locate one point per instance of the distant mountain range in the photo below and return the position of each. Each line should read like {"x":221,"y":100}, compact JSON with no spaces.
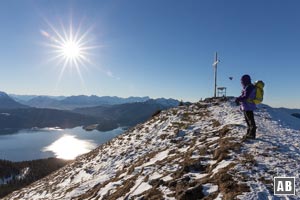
{"x":72,"y":102}
{"x":104,"y":113}
{"x":23,"y":98}
{"x":93,"y":100}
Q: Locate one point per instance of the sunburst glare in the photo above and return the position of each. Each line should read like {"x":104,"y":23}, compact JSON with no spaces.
{"x":71,"y":48}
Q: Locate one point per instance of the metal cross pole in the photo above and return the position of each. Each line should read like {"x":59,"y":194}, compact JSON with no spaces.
{"x":215,"y":65}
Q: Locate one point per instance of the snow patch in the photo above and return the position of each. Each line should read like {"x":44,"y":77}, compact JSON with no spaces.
{"x":167,"y":178}
{"x":141,"y":188}
{"x":155,"y":175}
{"x":209,"y":188}
{"x":222,"y":164}
{"x":160,"y":156}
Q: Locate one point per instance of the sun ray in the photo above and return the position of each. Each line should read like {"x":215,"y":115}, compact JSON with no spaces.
{"x":56,"y":32}
{"x":63,"y":29}
{"x":84,"y":35}
{"x":90,"y":47}
{"x":78,"y":30}
{"x":79,"y":72}
{"x":84,"y":58}
{"x":61,"y":73}
{"x":57,"y":57}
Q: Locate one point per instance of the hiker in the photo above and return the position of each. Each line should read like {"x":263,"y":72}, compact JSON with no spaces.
{"x":248,"y":106}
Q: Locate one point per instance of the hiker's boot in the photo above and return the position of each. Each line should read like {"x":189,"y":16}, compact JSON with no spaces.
{"x":250,"y":137}
{"x":248,"y":131}
{"x":247,"y":134}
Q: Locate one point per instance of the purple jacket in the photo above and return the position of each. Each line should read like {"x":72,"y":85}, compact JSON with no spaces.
{"x":247,"y":93}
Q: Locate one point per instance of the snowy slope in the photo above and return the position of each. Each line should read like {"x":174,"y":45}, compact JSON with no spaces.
{"x":284,"y":116}
{"x":188,"y":152}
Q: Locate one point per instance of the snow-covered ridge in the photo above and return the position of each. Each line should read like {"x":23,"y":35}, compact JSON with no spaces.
{"x":188,"y":152}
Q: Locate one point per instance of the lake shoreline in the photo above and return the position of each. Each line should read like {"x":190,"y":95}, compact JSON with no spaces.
{"x":29,"y":144}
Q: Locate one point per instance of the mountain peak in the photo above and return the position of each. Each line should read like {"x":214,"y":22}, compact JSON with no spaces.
{"x":6,"y":102}
{"x":188,"y":152}
{"x":3,"y":94}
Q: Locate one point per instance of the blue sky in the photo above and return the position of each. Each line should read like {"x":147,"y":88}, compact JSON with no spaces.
{"x":157,"y":48}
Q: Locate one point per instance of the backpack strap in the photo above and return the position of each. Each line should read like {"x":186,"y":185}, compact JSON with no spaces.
{"x":251,"y":100}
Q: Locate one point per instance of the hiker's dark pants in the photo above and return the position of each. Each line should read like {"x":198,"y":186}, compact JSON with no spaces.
{"x":249,"y":117}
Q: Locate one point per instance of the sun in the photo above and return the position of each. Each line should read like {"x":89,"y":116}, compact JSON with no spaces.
{"x":70,"y":48}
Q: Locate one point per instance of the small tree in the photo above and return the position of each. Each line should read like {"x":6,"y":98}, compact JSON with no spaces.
{"x":181,"y":103}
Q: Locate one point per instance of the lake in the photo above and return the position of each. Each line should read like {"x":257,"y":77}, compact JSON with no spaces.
{"x":31,"y":144}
